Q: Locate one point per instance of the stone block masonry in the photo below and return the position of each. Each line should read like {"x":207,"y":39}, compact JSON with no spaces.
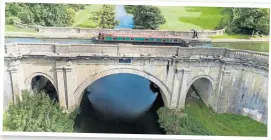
{"x":201,"y":34}
{"x":228,"y":80}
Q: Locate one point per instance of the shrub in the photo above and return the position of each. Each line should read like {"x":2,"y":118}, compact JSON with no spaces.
{"x":11,"y":20}
{"x":38,"y":113}
{"x":176,"y":123}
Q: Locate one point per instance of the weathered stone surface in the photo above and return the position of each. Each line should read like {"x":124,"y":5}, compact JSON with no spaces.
{"x":227,"y":80}
{"x":95,"y":32}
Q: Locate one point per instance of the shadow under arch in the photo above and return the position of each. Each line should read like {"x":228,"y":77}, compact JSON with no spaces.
{"x":78,"y":94}
{"x":47,"y":86}
{"x":28,"y":80}
{"x":204,"y":86}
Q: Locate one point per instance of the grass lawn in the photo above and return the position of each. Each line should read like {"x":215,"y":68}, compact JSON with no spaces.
{"x":187,"y":18}
{"x":82,"y":16}
{"x":226,"y":36}
{"x":172,"y":15}
{"x":209,"y":17}
{"x":12,"y":28}
{"x":225,"y":124}
{"x":252,"y":46}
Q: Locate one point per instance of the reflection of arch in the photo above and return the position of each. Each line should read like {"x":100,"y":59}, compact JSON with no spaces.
{"x":28,"y":80}
{"x":201,"y":77}
{"x":78,"y":94}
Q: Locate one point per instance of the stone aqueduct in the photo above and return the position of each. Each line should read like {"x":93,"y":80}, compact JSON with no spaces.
{"x":227,"y":80}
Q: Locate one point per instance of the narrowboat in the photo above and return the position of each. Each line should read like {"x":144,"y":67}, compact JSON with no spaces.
{"x":147,"y":39}
{"x":140,"y":39}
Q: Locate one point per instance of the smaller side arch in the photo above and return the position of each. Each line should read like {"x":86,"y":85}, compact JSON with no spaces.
{"x":198,"y":77}
{"x":27,"y":81}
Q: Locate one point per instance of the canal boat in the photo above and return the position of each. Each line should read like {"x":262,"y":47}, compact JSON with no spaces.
{"x":147,"y":39}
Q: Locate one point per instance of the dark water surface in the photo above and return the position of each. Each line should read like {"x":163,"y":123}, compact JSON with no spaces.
{"x":120,"y":103}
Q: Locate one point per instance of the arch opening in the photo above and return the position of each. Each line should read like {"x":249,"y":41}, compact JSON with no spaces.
{"x":165,"y":92}
{"x":200,"y":89}
{"x":40,"y":83}
{"x":128,"y":116}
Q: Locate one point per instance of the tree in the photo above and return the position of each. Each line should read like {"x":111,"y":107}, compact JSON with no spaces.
{"x":105,"y":17}
{"x":37,"y":113}
{"x":70,"y":16}
{"x":130,"y":9}
{"x":57,"y":15}
{"x":249,"y":20}
{"x":148,"y":17}
{"x":77,"y":7}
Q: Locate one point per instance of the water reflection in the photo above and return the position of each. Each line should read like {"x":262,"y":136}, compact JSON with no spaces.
{"x":121,"y":95}
{"x":120,"y":103}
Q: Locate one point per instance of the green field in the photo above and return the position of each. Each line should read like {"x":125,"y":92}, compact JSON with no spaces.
{"x":12,"y":28}
{"x":225,"y":124}
{"x":236,"y":36}
{"x":82,"y":17}
{"x":252,"y":46}
{"x":187,"y":18}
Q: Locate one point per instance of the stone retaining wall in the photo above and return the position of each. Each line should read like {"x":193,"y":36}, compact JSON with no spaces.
{"x":20,"y":25}
{"x":127,"y":31}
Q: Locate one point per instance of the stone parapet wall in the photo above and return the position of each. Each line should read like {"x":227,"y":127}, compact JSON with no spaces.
{"x":128,"y":31}
{"x":125,"y":50}
{"x":20,"y":25}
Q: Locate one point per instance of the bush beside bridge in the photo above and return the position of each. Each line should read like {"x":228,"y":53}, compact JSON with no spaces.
{"x":38,"y":113}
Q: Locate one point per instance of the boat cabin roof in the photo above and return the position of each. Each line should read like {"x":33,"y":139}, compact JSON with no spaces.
{"x":145,"y":36}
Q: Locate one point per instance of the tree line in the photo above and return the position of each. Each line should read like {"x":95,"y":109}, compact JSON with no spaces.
{"x":246,"y":20}
{"x":54,"y":15}
{"x":235,"y":20}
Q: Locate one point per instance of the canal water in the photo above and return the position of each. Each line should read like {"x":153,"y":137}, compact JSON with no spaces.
{"x":253,"y":46}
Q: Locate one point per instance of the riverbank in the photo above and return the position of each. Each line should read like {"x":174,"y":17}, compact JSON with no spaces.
{"x":239,"y":38}
{"x":225,"y":40}
{"x":204,"y":121}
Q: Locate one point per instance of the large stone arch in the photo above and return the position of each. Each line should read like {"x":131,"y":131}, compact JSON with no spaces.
{"x":27,"y":81}
{"x":200,"y":77}
{"x":78,"y":94}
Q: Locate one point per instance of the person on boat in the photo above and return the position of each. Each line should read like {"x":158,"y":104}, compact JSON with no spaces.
{"x":99,"y":36}
{"x":195,"y":33}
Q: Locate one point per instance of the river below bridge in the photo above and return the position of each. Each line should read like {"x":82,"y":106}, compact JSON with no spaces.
{"x":120,"y":103}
